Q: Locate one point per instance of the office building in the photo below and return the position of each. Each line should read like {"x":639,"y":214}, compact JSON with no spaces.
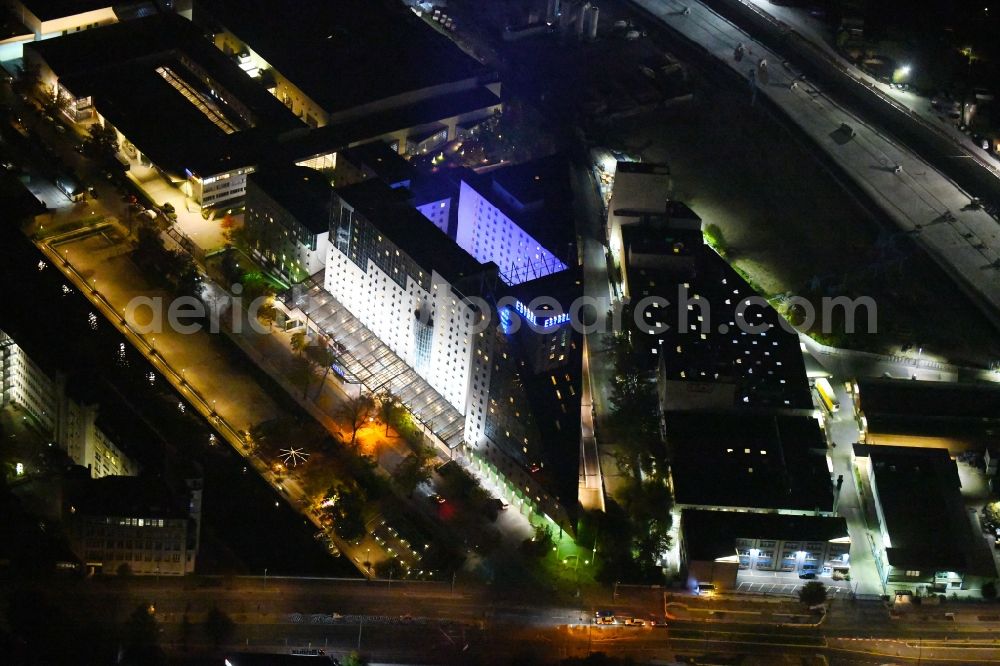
{"x":640,"y":189}
{"x":716,"y":545}
{"x":138,"y":525}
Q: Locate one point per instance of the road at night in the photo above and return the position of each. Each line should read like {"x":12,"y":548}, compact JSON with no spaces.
{"x":924,"y":203}
{"x":429,"y":622}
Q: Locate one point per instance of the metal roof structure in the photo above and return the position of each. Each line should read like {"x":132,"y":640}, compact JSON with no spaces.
{"x":377,"y":367}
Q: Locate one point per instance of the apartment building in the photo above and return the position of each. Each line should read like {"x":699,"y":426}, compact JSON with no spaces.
{"x":73,"y":425}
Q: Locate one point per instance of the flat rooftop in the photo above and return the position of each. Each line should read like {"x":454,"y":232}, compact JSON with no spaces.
{"x":305,"y":193}
{"x":754,"y":351}
{"x":946,"y":414}
{"x":147,"y":77}
{"x":920,"y":494}
{"x":385,"y":162}
{"x":125,"y":496}
{"x":348,"y":53}
{"x":10,"y":25}
{"x":536,"y":196}
{"x":389,"y":211}
{"x":930,"y":400}
{"x":739,"y":459}
{"x":47,"y":10}
{"x":340,"y":134}
{"x":709,"y":535}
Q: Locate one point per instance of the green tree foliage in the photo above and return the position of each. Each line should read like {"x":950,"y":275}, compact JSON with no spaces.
{"x":989,"y":590}
{"x":103,"y":141}
{"x":175,"y":269}
{"x":299,"y":341}
{"x":323,"y":358}
{"x":301,"y":373}
{"x":634,"y":405}
{"x":413,"y":470}
{"x":540,"y":544}
{"x":354,"y":659}
{"x":812,"y":593}
{"x":345,"y":503}
{"x":715,"y":238}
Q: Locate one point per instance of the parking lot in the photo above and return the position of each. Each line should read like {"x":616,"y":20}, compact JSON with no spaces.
{"x":785,"y":583}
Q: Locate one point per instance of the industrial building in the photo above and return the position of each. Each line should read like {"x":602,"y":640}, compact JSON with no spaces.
{"x":318,"y":59}
{"x":958,"y":417}
{"x":927,"y":540}
{"x":217,"y":118}
{"x":717,"y":545}
{"x":749,"y":461}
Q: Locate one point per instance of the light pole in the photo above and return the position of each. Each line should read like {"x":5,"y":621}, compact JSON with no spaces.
{"x":265,"y":576}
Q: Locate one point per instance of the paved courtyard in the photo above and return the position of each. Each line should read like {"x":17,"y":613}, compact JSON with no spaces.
{"x":786,"y":583}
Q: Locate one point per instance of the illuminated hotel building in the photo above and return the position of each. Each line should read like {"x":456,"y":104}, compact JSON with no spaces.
{"x":507,"y":366}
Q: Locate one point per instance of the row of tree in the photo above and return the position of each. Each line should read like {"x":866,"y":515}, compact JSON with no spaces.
{"x":635,"y":531}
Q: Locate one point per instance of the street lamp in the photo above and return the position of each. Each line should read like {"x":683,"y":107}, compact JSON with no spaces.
{"x":901,"y":74}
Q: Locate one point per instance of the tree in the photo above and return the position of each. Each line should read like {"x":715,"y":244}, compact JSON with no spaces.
{"x":354,"y":659}
{"x":141,"y":639}
{"x":355,"y":412}
{"x":227,"y":225}
{"x":299,"y":341}
{"x":104,"y":140}
{"x":345,"y":503}
{"x":812,"y":593}
{"x":323,"y":357}
{"x":715,"y":238}
{"x":991,"y":513}
{"x":218,"y":626}
{"x":414,"y":470}
{"x":389,"y":569}
{"x":301,"y":372}
{"x":124,"y":569}
{"x":539,"y":545}
{"x":989,"y":590}
{"x":388,"y":409}
{"x":266,"y":313}
{"x":185,"y":630}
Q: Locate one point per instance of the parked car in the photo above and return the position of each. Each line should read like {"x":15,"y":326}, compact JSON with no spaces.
{"x":808,"y":575}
